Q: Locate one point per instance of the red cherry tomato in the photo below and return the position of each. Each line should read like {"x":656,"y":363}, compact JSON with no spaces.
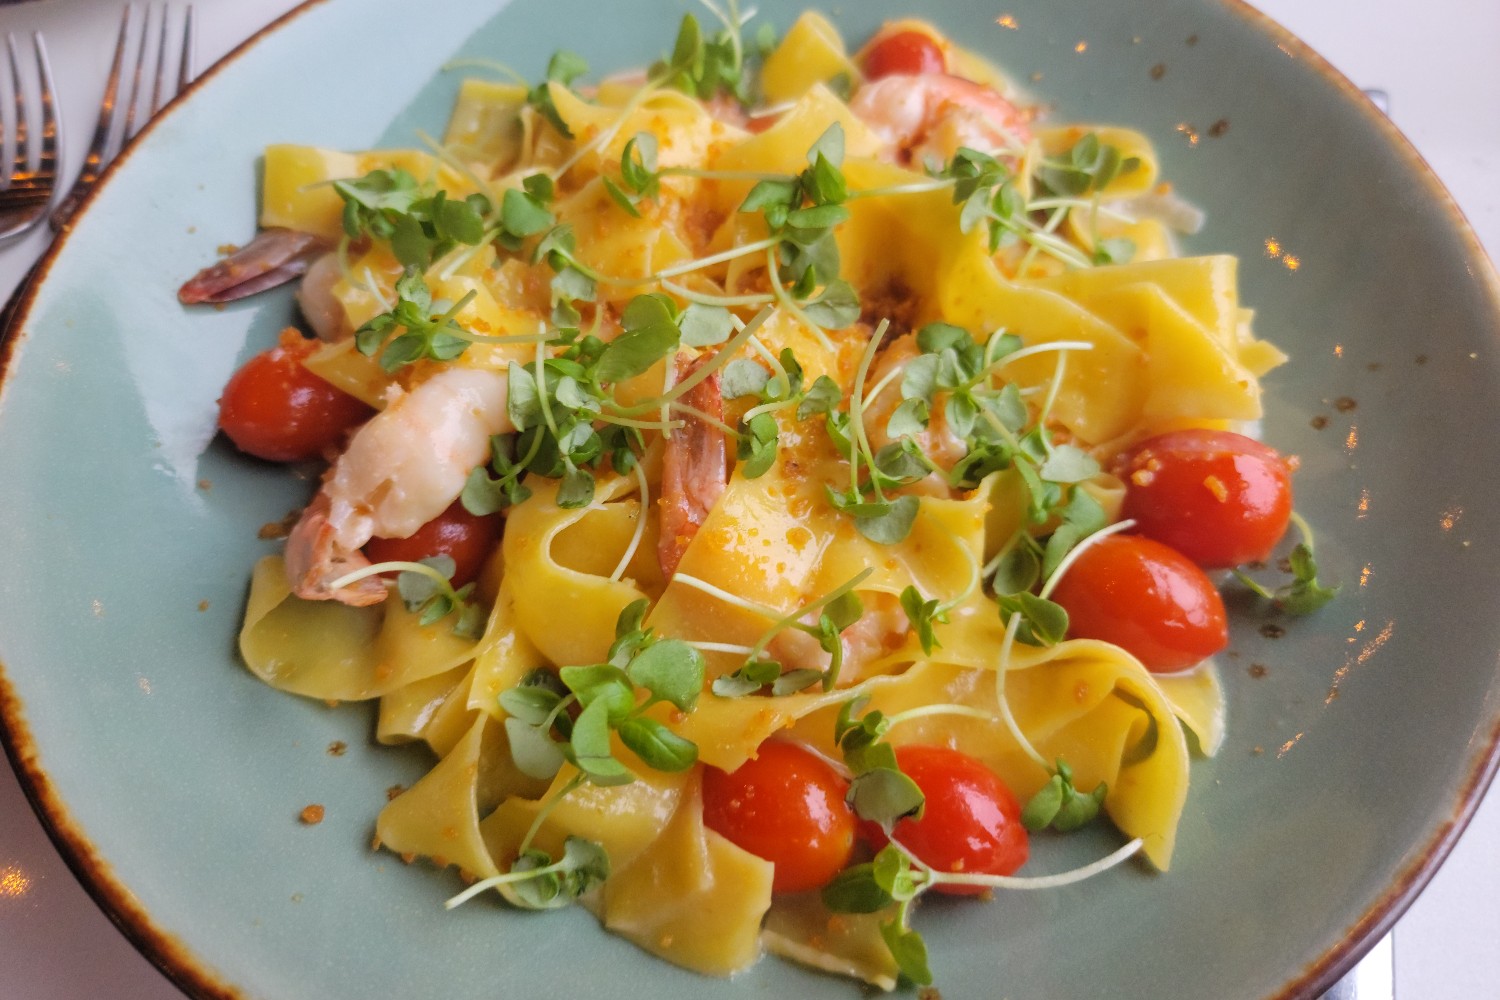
{"x":467,"y":538}
{"x":1148,"y":599}
{"x":274,"y":408}
{"x":904,"y":52}
{"x":971,"y":822}
{"x":786,"y":806}
{"x":1221,"y":499}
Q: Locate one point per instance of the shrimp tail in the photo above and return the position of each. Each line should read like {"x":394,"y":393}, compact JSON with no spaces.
{"x":695,"y":469}
{"x":273,"y":258}
{"x":314,"y":559}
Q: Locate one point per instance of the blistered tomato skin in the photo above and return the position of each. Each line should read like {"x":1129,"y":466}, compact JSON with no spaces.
{"x":273,"y":408}
{"x":1219,"y":498}
{"x":904,"y":52}
{"x":467,"y":538}
{"x":1146,"y":598}
{"x":786,"y":806}
{"x":971,"y":822}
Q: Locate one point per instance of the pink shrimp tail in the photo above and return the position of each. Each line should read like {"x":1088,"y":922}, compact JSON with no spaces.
{"x":273,"y":258}
{"x":695,"y":469}
{"x":314,"y":560}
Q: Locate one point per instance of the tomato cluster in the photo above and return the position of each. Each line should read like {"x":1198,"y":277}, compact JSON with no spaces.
{"x":789,"y":806}
{"x":1201,"y":499}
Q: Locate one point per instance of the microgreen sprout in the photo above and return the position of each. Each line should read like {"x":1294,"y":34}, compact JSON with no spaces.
{"x":423,"y":335}
{"x":1060,"y":805}
{"x":426,"y":588}
{"x":419,"y":221}
{"x":563,"y":68}
{"x":1306,"y":593}
{"x":641,"y":671}
{"x":705,"y":65}
{"x":536,"y":882}
{"x":836,"y":611}
{"x":897,"y":878}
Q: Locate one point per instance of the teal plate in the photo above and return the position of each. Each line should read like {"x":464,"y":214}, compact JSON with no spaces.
{"x":172,"y":779}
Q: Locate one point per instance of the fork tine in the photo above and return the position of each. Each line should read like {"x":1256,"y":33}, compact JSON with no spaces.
{"x":161,"y":65}
{"x":133,"y":95}
{"x":21,"y":155}
{"x":99,"y":147}
{"x":185,"y":70}
{"x":99,"y":152}
{"x":51,"y":118}
{"x":27,"y":188}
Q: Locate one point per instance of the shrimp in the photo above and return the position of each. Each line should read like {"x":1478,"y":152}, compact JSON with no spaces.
{"x":320,"y":307}
{"x":401,"y":469}
{"x":938,"y":441}
{"x":927,"y":116}
{"x":273,"y":258}
{"x":695,"y":468}
{"x":881,"y":630}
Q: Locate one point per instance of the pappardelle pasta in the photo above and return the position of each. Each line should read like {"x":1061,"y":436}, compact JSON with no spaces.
{"x":775,"y":485}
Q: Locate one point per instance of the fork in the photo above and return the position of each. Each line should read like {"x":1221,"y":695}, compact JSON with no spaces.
{"x":108,"y":141}
{"x":24,"y":199}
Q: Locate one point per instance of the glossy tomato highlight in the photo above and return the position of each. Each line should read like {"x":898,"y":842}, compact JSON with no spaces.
{"x":1219,"y":498}
{"x":971,"y":822}
{"x":274,"y":408}
{"x":1146,"y":598}
{"x":787,"y":806}
{"x":467,"y":538}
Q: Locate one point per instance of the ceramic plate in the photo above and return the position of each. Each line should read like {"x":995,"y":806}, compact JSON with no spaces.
{"x":1358,"y":739}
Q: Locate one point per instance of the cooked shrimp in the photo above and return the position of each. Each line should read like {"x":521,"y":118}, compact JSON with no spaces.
{"x":695,"y":468}
{"x":273,"y":258}
{"x":880,"y":630}
{"x":928,"y":116}
{"x":937,"y":441}
{"x":401,"y":470}
{"x":320,"y":307}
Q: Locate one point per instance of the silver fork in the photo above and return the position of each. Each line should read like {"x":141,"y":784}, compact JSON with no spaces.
{"x":108,"y":140}
{"x":28,"y":190}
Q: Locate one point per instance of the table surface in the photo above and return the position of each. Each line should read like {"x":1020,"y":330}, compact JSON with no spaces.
{"x":55,"y":944}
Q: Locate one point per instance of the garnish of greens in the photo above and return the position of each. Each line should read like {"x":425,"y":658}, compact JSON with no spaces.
{"x":564,"y":409}
{"x":991,"y":195}
{"x":1060,"y":805}
{"x":641,"y":671}
{"x":421,"y":334}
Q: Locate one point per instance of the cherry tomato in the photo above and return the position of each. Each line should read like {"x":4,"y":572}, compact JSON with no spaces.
{"x":1219,"y":498}
{"x":467,"y":538}
{"x":786,"y":806}
{"x":904,"y":52}
{"x":1147,"y":598}
{"x":273,"y":408}
{"x":971,"y":822}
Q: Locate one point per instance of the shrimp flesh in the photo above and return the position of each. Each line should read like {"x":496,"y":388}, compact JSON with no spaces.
{"x":880,"y":631}
{"x":695,"y":468}
{"x":402,"y":469}
{"x":938,"y":441}
{"x":928,"y":116}
{"x":320,"y":307}
{"x":273,"y":258}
